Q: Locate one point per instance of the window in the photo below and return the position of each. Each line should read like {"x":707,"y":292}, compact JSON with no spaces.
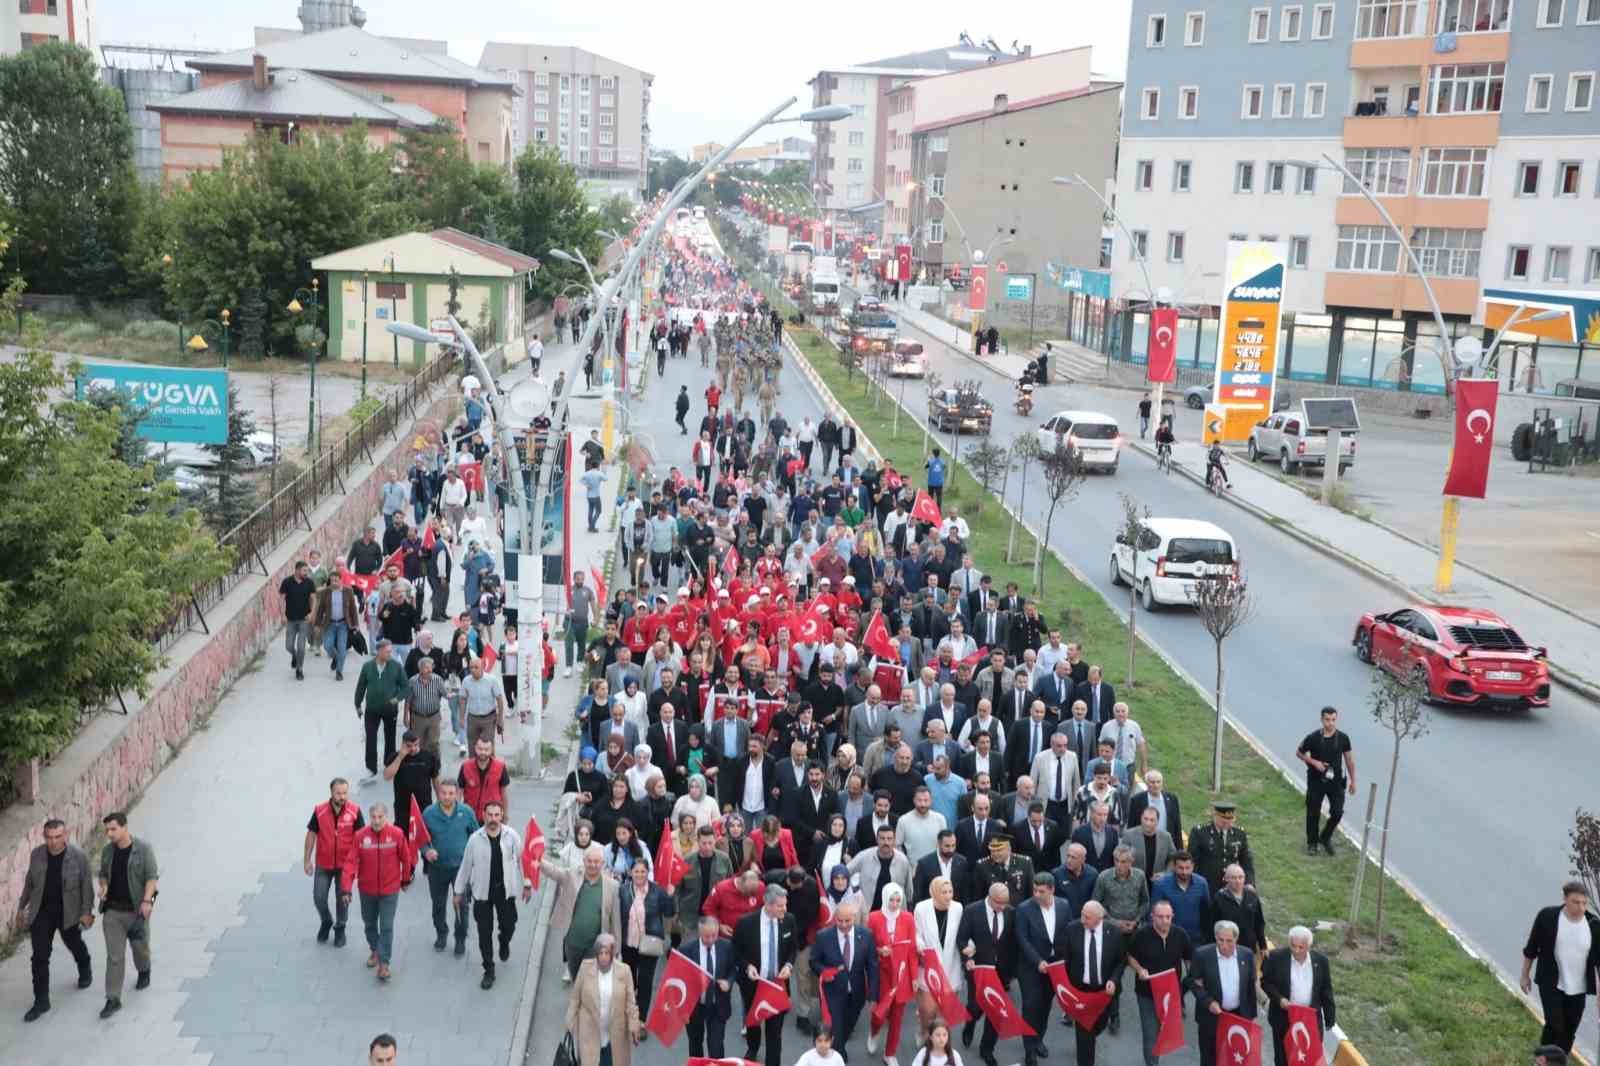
{"x":939,"y":142}
{"x":1305,"y":182}
{"x":1244,"y":177}
{"x":1144,"y":173}
{"x":607,"y":137}
{"x":1268,"y":238}
{"x":1150,"y":104}
{"x":857,"y":110}
{"x":858,"y":138}
{"x":608,"y":82}
{"x":608,"y":99}
{"x":541,"y":136}
{"x":1299,"y":252}
{"x":1588,"y":12}
{"x":936,"y":185}
{"x":1322,"y":22}
{"x":566,"y":82}
{"x":1517,"y":258}
{"x":1539,"y":92}
{"x":541,"y":96}
{"x":607,"y":155}
{"x":1189,"y":102}
{"x":583,"y":122}
{"x":389,"y":290}
{"x":541,"y":115}
{"x":607,"y":119}
{"x":1238,"y":236}
{"x":1367,"y":249}
{"x":1447,"y":253}
{"x":1551,"y":12}
{"x":1283,"y":101}
{"x":1558,"y":264}
{"x":1467,"y":88}
{"x":1194,"y":29}
{"x":1250,"y":104}
{"x":583,"y":157}
{"x":1527,"y":179}
{"x":1275,"y":176}
{"x":1591,"y":270}
{"x":1473,"y":16}
{"x":1174,"y":247}
{"x":1155,"y":32}
{"x":583,"y":138}
{"x":1316,"y":99}
{"x":1455,"y":171}
{"x":1389,"y":18}
{"x":1569,"y":179}
{"x":1289,"y":24}
{"x":853,"y":164}
{"x":1580,"y":91}
{"x":936,"y":231}
{"x":1181,"y":174}
{"x":541,"y":77}
{"x":1141,"y":245}
{"x":854,"y":192}
{"x":1260,"y":24}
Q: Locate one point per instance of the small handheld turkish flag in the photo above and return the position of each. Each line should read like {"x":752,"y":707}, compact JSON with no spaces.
{"x":923,"y":509}
{"x":532,"y":851}
{"x":599,"y":587}
{"x":1168,"y":1000}
{"x":770,"y":999}
{"x":822,"y":992}
{"x":1238,"y":1040}
{"x":670,"y":866}
{"x":1302,"y":1043}
{"x":428,"y":538}
{"x":682,"y":985}
{"x":1474,"y":439}
{"x":472,"y":475}
{"x":877,"y":639}
{"x":417,"y":831}
{"x":938,"y":985}
{"x":975,"y":658}
{"x":997,"y":1006}
{"x":1081,"y":1005}
{"x":814,"y":624}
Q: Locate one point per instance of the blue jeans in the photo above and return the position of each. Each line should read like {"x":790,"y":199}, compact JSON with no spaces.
{"x":321,"y":882}
{"x":377,"y":918}
{"x":594,"y":512}
{"x":336,"y":642}
{"x":420,"y":510}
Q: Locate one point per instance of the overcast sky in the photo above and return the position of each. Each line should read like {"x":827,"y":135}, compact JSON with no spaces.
{"x":713,"y":76}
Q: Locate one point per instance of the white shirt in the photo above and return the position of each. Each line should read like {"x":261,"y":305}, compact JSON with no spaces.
{"x":1127,"y":736}
{"x":1049,"y":916}
{"x":1300,"y":981}
{"x":605,"y":983}
{"x":754,"y":799}
{"x":1572,"y":953}
{"x":836,"y":656}
{"x":1049,"y":655}
{"x":769,"y":931}
{"x":1093,"y":958}
{"x":1228,"y":972}
{"x":813,"y":1058}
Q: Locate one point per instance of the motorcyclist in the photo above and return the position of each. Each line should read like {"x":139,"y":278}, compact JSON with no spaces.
{"x":1214,"y":459}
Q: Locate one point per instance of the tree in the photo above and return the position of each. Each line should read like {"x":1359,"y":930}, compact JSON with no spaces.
{"x":1027,"y":451}
{"x":1224,"y":604}
{"x":252,"y":319}
{"x":1063,"y":476}
{"x":548,"y":209}
{"x":616,"y":215}
{"x":1133,"y":527}
{"x":98,"y":555}
{"x":444,"y":188}
{"x":233,"y":497}
{"x":1400,"y":706}
{"x":66,"y":172}
{"x":665,"y":173}
{"x":988,"y":461}
{"x":452,"y":305}
{"x":1585,"y":853}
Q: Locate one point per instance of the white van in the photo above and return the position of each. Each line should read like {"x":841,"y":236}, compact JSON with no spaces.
{"x":1095,"y":435}
{"x":1170,"y":556}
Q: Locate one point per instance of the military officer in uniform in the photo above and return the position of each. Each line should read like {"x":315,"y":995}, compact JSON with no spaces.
{"x":1217,"y":846}
{"x":1003,"y":866}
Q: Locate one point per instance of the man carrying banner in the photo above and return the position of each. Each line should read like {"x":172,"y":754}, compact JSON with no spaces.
{"x":709,"y":1019}
{"x":1158,"y":955}
{"x":764,"y":946}
{"x":1299,"y":988}
{"x":1094,"y":961}
{"x":845,"y":961}
{"x":987,"y":937}
{"x":1223,"y":981}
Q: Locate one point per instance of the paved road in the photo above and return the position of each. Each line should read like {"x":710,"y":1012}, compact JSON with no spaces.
{"x":1304,"y":621}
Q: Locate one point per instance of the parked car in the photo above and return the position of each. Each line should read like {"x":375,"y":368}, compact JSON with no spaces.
{"x":1284,"y":438}
{"x":1196,"y":397}
{"x":1096,"y":436}
{"x":1457,"y":655}
{"x":199,"y":457}
{"x":908,"y":359}
{"x":1170,"y":556}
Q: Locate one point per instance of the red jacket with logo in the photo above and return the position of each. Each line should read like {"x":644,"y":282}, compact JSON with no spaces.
{"x":335,"y":834}
{"x":727,"y":904}
{"x":380,"y":861}
{"x":483,"y":786}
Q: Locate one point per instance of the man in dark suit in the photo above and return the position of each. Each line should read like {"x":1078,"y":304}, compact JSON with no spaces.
{"x":764,"y":946}
{"x":1056,"y":689}
{"x":881,"y":814}
{"x":709,"y":1019}
{"x":669,"y":746}
{"x":806,"y":812}
{"x":1098,"y":695}
{"x":1082,"y":735}
{"x":1029,"y":736}
{"x":1094,"y":957}
{"x":1222,"y":979}
{"x":1042,"y":925}
{"x":731,"y":781}
{"x":987,"y":936}
{"x":1012,"y":707}
{"x":1039,"y":838}
{"x":1155,"y":789}
{"x":1098,"y":837}
{"x":944,"y":861}
{"x":1278,"y":973}
{"x":991,"y":629}
{"x":791,"y":776}
{"x":972,"y":834}
{"x":850,"y":949}
{"x":985,"y":757}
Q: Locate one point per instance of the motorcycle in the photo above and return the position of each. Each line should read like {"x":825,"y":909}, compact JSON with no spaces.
{"x":1024,"y":404}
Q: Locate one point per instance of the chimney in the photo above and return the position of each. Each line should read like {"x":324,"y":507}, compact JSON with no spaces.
{"x":259,"y":71}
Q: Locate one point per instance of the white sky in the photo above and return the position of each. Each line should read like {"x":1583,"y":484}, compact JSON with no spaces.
{"x":718,"y":65}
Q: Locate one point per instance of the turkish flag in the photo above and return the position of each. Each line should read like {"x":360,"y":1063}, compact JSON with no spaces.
{"x":532,"y":851}
{"x":975,"y":658}
{"x":923,"y":509}
{"x":417,"y":831}
{"x":978,"y":288}
{"x":889,"y":677}
{"x":730,"y":564}
{"x":997,"y":1006}
{"x":362,"y":583}
{"x":396,"y":559}
{"x":814,"y":624}
{"x":428,"y":539}
{"x":1168,"y":998}
{"x":1163,"y":348}
{"x":490,"y":657}
{"x":1302,"y":1043}
{"x":472,"y":474}
{"x":599,"y":587}
{"x":877,"y":639}
{"x":682,"y":985}
{"x":822,"y":992}
{"x":670,"y":866}
{"x":1474,"y":440}
{"x":902,"y":960}
{"x":821,"y":553}
{"x":938,"y":984}
{"x":771,"y":998}
{"x":1082,"y":1006}
{"x":1238,"y":1040}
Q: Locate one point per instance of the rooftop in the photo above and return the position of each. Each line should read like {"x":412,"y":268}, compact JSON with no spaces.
{"x":352,"y":52}
{"x":296,"y":94}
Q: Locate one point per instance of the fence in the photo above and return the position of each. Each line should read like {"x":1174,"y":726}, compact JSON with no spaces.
{"x":289,"y":509}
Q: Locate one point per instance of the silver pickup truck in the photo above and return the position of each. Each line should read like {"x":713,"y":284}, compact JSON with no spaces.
{"x":1283,"y":438}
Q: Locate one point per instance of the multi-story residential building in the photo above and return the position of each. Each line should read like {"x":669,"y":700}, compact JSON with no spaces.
{"x":764,"y":158}
{"x":27,"y":23}
{"x":1473,"y":122}
{"x":593,"y":110}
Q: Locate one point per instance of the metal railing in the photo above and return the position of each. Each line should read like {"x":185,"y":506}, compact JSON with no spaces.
{"x":289,"y":509}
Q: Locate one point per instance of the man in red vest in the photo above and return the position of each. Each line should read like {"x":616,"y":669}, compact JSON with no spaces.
{"x":379,"y":863}
{"x":329,"y":840}
{"x":483,"y":778}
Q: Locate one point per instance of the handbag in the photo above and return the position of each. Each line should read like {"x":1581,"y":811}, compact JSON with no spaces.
{"x":567,"y":1053}
{"x":358,"y":641}
{"x":652,"y":947}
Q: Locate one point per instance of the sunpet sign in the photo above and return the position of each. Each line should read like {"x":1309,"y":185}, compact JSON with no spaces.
{"x":189,"y":406}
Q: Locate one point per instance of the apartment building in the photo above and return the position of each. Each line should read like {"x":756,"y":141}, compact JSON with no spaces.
{"x":593,"y":110}
{"x":26,"y":23}
{"x":1473,"y":122}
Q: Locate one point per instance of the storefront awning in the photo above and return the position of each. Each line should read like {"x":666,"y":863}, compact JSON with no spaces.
{"x":1498,"y":309}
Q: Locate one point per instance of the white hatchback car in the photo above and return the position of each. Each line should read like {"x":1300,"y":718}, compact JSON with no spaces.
{"x":1095,"y":435}
{"x":1170,"y":556}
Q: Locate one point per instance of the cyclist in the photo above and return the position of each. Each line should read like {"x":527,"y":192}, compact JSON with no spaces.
{"x":1164,"y":442}
{"x":1214,"y":461}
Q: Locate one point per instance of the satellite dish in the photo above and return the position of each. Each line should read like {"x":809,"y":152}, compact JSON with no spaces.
{"x":526,"y":401}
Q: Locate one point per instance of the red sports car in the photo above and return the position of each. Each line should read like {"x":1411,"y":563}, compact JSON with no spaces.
{"x":1463,"y":655}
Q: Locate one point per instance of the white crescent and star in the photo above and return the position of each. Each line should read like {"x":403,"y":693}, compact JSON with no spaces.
{"x":683,"y":993}
{"x":764,"y":1010}
{"x":1228,"y":1039}
{"x":1164,"y":340}
{"x":991,"y":995}
{"x":1488,"y":423}
{"x":1297,"y":1032}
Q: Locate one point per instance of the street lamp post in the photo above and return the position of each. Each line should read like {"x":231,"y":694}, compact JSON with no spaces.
{"x":1488,"y":364}
{"x":295,"y":308}
{"x":364,"y":282}
{"x":219,"y":330}
{"x":980,"y":256}
{"x":394,"y":316}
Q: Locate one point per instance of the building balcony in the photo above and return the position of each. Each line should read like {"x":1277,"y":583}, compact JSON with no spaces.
{"x":1422,"y":130}
{"x":1418,"y":52}
{"x":1409,"y":211}
{"x":1398,"y":293}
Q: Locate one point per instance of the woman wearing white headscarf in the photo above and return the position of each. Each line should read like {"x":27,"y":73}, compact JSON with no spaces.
{"x":891,"y":926}
{"x":696,"y":802}
{"x":640,"y":773}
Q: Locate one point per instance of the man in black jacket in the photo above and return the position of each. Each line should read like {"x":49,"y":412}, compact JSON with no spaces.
{"x":880,"y":815}
{"x":669,"y":747}
{"x":709,"y":1019}
{"x":1042,"y":933}
{"x":1094,"y":958}
{"x":731,"y":780}
{"x":1211,"y":995}
{"x":1278,"y":982}
{"x":1563,"y":1005}
{"x":987,"y":936}
{"x":366,"y":554}
{"x":806,"y":810}
{"x":764,"y":947}
{"x":1097,"y":695}
{"x":946,"y":861}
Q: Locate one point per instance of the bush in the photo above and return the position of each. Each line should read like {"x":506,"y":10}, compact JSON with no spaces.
{"x":150,"y":329}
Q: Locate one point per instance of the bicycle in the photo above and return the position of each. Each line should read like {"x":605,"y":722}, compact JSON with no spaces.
{"x":1164,"y":458}
{"x":1216,"y":481}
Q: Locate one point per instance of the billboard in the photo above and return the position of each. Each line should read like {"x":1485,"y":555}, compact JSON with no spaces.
{"x":1247,"y":342}
{"x":181,"y":406}
{"x":1019,"y":286}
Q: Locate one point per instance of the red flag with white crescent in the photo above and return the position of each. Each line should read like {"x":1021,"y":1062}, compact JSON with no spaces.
{"x":396,"y":559}
{"x":939,"y":987}
{"x":1238,"y":1040}
{"x":820,"y":554}
{"x":1083,"y":1007}
{"x":532,"y":851}
{"x":1168,"y":1000}
{"x":770,"y":999}
{"x":417,"y":831}
{"x":997,"y":1005}
{"x":813,"y":624}
{"x":877,"y":639}
{"x":1302,"y":1042}
{"x":923,"y":509}
{"x":1474,"y":439}
{"x":670,"y":867}
{"x":1162,"y":364}
{"x":428,"y":538}
{"x":822,"y":992}
{"x":682,"y":985}
{"x":902,"y":960}
{"x":975,"y":658}
{"x":599,"y":587}
{"x":471,"y":475}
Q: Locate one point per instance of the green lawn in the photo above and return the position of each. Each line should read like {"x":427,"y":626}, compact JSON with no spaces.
{"x":1424,"y":1000}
